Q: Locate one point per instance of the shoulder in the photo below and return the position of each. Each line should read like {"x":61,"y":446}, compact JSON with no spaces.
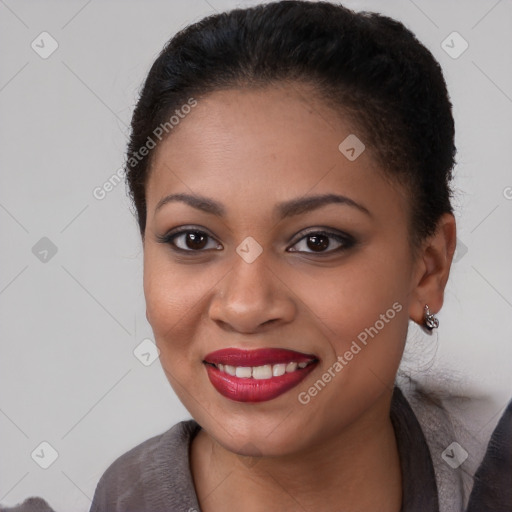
{"x":458,"y":426}
{"x":148,"y":455}
{"x":492,"y":491}
{"x":148,"y":473}
{"x":453,"y":413}
{"x":33,"y":504}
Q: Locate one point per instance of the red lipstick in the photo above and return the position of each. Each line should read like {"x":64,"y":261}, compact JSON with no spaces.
{"x":257,"y":375}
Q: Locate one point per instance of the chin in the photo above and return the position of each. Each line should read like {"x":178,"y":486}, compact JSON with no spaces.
{"x":272,"y":436}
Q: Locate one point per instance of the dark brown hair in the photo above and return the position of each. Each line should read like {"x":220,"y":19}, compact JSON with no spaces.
{"x":365,"y":65}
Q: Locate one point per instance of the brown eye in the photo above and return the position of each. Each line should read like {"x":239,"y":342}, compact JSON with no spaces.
{"x":189,"y":240}
{"x":319,"y":241}
{"x":195,"y":240}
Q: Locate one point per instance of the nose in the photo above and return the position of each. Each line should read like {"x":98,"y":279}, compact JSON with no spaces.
{"x":251,"y":297}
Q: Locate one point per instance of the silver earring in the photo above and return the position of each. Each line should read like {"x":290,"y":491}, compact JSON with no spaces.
{"x":431,"y":322}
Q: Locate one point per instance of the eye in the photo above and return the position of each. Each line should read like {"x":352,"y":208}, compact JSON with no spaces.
{"x":188,"y":240}
{"x":194,"y":240}
{"x":318,"y":241}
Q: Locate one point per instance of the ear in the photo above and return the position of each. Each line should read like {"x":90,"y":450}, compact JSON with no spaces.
{"x":432,"y":269}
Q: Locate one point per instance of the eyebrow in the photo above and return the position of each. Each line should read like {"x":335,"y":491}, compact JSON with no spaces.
{"x":285,"y":209}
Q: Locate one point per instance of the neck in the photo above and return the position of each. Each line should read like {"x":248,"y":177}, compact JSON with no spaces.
{"x":355,"y":470}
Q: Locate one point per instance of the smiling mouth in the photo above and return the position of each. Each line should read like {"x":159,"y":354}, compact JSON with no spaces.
{"x":257,"y":375}
{"x":266,"y":371}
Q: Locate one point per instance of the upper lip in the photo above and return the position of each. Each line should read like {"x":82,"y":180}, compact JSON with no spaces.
{"x":257,"y":357}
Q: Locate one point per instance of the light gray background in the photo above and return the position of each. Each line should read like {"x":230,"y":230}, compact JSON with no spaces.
{"x":69,"y":325}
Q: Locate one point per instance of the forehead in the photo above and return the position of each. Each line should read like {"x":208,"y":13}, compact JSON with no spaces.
{"x":259,"y":146}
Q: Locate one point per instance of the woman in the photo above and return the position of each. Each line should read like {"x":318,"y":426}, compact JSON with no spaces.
{"x":290,"y":167}
{"x":294,"y":208}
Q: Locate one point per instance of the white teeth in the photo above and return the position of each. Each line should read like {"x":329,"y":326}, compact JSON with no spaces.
{"x":230,"y":370}
{"x":291,"y":367}
{"x":262,"y":372}
{"x":278,"y":370}
{"x":243,"y":371}
{"x":266,"y":371}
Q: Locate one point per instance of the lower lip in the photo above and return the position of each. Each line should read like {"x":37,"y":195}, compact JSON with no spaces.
{"x":255,"y":390}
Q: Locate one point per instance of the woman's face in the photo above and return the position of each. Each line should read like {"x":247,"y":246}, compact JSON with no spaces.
{"x":261,"y":276}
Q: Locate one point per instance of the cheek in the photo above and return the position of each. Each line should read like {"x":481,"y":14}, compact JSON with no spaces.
{"x":171,"y":302}
{"x":377,"y":334}
{"x":170,"y":313}
{"x":177,"y":298}
{"x":360,"y":307}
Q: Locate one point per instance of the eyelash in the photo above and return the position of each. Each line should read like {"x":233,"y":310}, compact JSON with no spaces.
{"x":345,"y":239}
